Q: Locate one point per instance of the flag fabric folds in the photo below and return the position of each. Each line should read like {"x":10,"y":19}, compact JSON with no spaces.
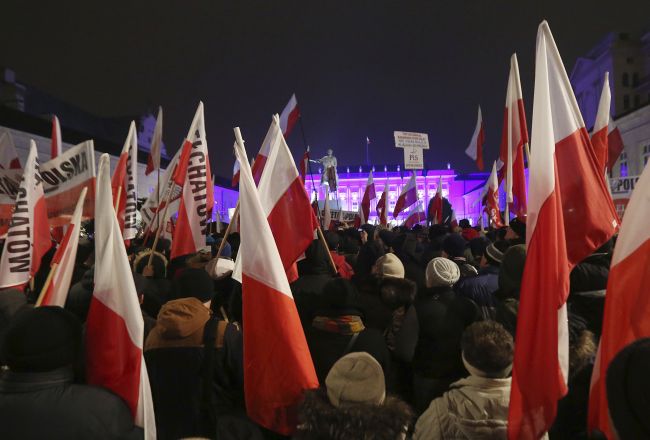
{"x":114,"y":327}
{"x":153,"y":159}
{"x":514,"y":136}
{"x":125,"y":185}
{"x":626,"y":303}
{"x":382,"y":209}
{"x":8,"y":155}
{"x":262,"y":155}
{"x":614,"y":144}
{"x":492,"y":199}
{"x":570,"y":215}
{"x":277,"y":363}
{"x":235,"y":174}
{"x":436,"y":206}
{"x":475,"y":148}
{"x":600,"y":132}
{"x":416,"y":216}
{"x":304,"y":164}
{"x":28,"y":237}
{"x":368,"y":194}
{"x":63,"y":262}
{"x":155,"y":203}
{"x":289,"y":116}
{"x":407,"y":197}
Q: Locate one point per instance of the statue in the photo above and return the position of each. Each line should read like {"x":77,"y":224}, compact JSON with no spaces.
{"x":329,"y":176}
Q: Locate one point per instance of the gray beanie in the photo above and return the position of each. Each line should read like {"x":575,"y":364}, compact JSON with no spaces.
{"x":442,"y":272}
{"x":356,"y":378}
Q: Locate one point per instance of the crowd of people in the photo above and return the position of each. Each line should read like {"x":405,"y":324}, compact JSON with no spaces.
{"x":412,"y":337}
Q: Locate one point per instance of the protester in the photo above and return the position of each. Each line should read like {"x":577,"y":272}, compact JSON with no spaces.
{"x":475,"y":407}
{"x":314,"y":273}
{"x":511,"y":273}
{"x":467,"y":232}
{"x":453,"y":247}
{"x":354,"y":405}
{"x":39,"y":396}
{"x":342,"y":266}
{"x":516,"y":232}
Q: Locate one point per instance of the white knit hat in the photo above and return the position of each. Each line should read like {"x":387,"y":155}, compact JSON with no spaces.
{"x":442,"y":272}
{"x":356,"y":378}
{"x":389,"y":266}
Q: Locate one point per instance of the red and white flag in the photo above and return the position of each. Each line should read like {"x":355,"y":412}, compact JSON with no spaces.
{"x":626,"y":304}
{"x":513,"y":139}
{"x":262,"y":155}
{"x":368,"y":195}
{"x":153,"y":159}
{"x":416,"y":216}
{"x":8,"y":155}
{"x":475,"y":149}
{"x":277,"y":364}
{"x":155,"y":203}
{"x":289,"y":116}
{"x":63,"y":262}
{"x":614,"y":144}
{"x":114,"y":327}
{"x":492,"y":199}
{"x":56,"y":145}
{"x":197,"y":198}
{"x":407,"y":197}
{"x":381,"y":206}
{"x":304,"y":164}
{"x":436,"y":207}
{"x":28,"y":237}
{"x":570,"y":215}
{"x":235,"y":174}
{"x":125,"y":185}
{"x":599,"y":135}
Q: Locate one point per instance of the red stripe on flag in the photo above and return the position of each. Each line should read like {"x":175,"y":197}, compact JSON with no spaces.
{"x":183,"y":162}
{"x":258,"y":167}
{"x":291,"y":120}
{"x":599,"y":142}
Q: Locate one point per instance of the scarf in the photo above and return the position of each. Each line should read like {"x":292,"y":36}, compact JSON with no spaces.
{"x":343,"y":325}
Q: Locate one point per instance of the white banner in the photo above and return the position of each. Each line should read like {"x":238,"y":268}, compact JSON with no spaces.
{"x":413,"y":158}
{"x":407,"y":139}
{"x":9,"y":182}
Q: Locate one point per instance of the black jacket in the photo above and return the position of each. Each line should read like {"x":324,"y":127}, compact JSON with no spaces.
{"x":480,"y":289}
{"x":49,"y":406}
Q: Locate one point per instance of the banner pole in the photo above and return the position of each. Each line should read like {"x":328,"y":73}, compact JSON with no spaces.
{"x":48,"y":281}
{"x":227,"y":233}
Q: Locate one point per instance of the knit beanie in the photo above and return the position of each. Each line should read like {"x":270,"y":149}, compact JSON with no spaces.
{"x":454,"y":245}
{"x":442,"y":272}
{"x":628,"y":387}
{"x":356,"y":378}
{"x":512,"y":269}
{"x":389,"y":266}
{"x":194,"y":283}
{"x":494,"y":252}
{"x":519,"y":227}
{"x":42,"y":339}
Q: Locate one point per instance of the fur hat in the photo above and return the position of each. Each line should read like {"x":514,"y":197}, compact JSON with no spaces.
{"x":512,"y":269}
{"x":356,"y":378}
{"x":42,"y":339}
{"x":194,"y":283}
{"x":454,"y":245}
{"x":442,"y":272}
{"x":389,"y":266}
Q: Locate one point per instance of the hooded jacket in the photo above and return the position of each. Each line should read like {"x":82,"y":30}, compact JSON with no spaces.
{"x":474,"y":408}
{"x":320,"y":420}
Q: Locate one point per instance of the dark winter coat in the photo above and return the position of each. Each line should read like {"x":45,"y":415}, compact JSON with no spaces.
{"x":588,"y":284}
{"x":49,"y":406}
{"x":314,"y":272}
{"x":466,"y":269}
{"x":480,"y":289}
{"x":380,"y":297}
{"x":80,"y":294}
{"x":319,"y":420}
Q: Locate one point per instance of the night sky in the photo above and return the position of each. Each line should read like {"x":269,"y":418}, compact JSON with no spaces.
{"x":358,"y":68}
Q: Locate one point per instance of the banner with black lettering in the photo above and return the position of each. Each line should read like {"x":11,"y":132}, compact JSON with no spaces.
{"x":9,"y":182}
{"x":63,"y":179}
{"x":158,"y":196}
{"x":621,"y":189}
{"x":124,"y":185}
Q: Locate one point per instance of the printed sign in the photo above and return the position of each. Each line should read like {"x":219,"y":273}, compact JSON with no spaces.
{"x":413,"y":159}
{"x":9,"y":182}
{"x":622,"y":188}
{"x":407,"y":139}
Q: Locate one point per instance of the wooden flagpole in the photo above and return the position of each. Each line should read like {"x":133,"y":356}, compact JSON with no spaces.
{"x":48,"y":281}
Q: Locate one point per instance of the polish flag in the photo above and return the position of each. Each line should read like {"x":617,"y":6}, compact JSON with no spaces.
{"x":56,"y":148}
{"x":63,"y":263}
{"x":599,"y":135}
{"x":125,"y":185}
{"x":614,"y":144}
{"x":277,"y":364}
{"x":381,"y":207}
{"x":492,"y":199}
{"x":235,"y":174}
{"x":415,"y":217}
{"x":114,"y":328}
{"x":626,"y":303}
{"x":304,"y":164}
{"x":197,"y":197}
{"x":368,"y":195}
{"x":28,"y":237}
{"x":289,"y":116}
{"x":514,"y":136}
{"x":155,"y":203}
{"x":407,"y":197}
{"x":570,"y":216}
{"x":262,"y":155}
{"x":475,"y":149}
{"x":436,"y":207}
{"x":153,"y":159}
{"x":8,"y":155}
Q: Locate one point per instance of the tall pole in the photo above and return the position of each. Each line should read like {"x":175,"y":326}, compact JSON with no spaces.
{"x":367,"y":152}
{"x":304,"y":141}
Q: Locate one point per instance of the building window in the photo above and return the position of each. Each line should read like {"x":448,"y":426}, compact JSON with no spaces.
{"x":626,"y":102}
{"x":626,"y":79}
{"x":623,"y":162}
{"x":635,"y":79}
{"x":637,"y":101}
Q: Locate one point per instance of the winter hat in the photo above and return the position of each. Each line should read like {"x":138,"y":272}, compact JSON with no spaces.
{"x":512,"y":269}
{"x":519,"y":227}
{"x":454,"y":245}
{"x":388,"y":237}
{"x":495,"y":251}
{"x":194,"y":283}
{"x":478,"y":245}
{"x":356,"y":378}
{"x":464,"y":223}
{"x":442,"y":272}
{"x":42,"y":339}
{"x":219,"y":268}
{"x":627,"y":390}
{"x":389,"y":266}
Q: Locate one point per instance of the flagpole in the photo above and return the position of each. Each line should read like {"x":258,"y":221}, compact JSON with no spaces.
{"x":304,"y":141}
{"x":48,"y":281}
{"x":527,"y":151}
{"x":117,"y":199}
{"x":155,"y":241}
{"x":227,"y":233}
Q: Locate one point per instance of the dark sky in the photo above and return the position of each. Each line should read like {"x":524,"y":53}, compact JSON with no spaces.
{"x":359,"y":68}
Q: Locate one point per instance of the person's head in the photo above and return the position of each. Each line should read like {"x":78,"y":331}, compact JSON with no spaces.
{"x":388,"y":237}
{"x":388,"y":265}
{"x":332,"y":239}
{"x":628,"y":388}
{"x":464,"y":223}
{"x":42,"y":339}
{"x":487,"y":349}
{"x":437,"y":231}
{"x":477,"y":247}
{"x":453,"y":246}
{"x":194,"y":283}
{"x":493,"y":253}
{"x":339,"y":295}
{"x":512,"y":270}
{"x":516,"y":230}
{"x":441,"y":272}
{"x":329,"y":152}
{"x":356,"y":378}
